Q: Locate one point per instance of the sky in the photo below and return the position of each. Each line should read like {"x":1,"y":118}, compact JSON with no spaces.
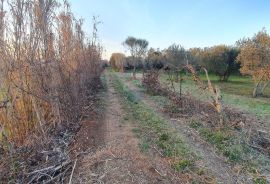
{"x":190,"y":23}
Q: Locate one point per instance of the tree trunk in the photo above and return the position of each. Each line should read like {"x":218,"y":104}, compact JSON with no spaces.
{"x":223,"y":78}
{"x":144,"y":69}
{"x":220,"y":78}
{"x":134,"y":72}
{"x":255,"y":92}
{"x":259,"y":88}
{"x":265,"y":86}
{"x":122,"y":66}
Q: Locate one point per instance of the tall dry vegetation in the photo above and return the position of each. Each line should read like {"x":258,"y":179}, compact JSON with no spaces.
{"x":47,"y":67}
{"x":117,"y":61}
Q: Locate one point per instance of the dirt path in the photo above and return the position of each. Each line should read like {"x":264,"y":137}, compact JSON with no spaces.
{"x":222,"y":170}
{"x":111,"y":151}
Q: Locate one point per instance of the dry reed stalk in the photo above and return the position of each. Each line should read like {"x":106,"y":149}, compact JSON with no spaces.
{"x":47,"y":66}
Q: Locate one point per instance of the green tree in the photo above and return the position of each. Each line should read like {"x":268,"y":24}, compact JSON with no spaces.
{"x":155,"y":59}
{"x":176,"y":56}
{"x":195,"y":56}
{"x":221,"y":60}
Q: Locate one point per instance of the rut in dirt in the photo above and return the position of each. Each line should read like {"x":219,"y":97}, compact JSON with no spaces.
{"x":112,"y":152}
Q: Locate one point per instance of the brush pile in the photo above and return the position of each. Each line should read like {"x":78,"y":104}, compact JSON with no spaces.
{"x":189,"y":106}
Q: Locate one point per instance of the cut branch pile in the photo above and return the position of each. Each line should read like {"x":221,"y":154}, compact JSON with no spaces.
{"x":188,"y":105}
{"x":211,"y":112}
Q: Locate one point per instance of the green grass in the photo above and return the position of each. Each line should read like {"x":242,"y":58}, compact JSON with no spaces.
{"x":183,"y":165}
{"x":260,"y":180}
{"x":102,"y":103}
{"x":137,"y":83}
{"x":237,"y":92}
{"x":236,"y":85}
{"x":144,"y":145}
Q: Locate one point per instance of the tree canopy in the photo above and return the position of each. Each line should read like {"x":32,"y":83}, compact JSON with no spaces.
{"x":155,"y":59}
{"x":176,"y":56}
{"x":137,"y":48}
{"x":220,"y":60}
{"x":255,"y":60}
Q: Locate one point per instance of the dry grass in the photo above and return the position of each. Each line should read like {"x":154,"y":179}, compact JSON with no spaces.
{"x":49,"y":71}
{"x":45,"y":70}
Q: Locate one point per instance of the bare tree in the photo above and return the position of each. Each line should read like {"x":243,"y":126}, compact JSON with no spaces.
{"x":141,"y":50}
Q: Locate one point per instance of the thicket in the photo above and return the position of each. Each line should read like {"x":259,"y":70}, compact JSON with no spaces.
{"x":48,"y":70}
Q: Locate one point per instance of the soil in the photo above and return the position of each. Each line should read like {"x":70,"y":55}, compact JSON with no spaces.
{"x":109,"y":151}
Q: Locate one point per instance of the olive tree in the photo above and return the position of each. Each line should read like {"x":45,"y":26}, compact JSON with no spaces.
{"x":176,"y":56}
{"x":255,"y":60}
{"x":155,"y":59}
{"x":221,"y":60}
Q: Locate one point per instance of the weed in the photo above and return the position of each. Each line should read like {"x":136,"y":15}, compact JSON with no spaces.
{"x":195,"y":124}
{"x":215,"y":137}
{"x":160,"y":100}
{"x":137,"y":83}
{"x":164,"y":137}
{"x":183,"y":165}
{"x":236,"y":149}
{"x":136,"y":131}
{"x":234,"y":153}
{"x":174,"y":109}
{"x":144,"y":146}
{"x":166,"y":147}
{"x":260,"y":180}
{"x":201,"y":171}
{"x":234,"y":146}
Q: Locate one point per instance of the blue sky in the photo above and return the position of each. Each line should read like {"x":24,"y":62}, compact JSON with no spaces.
{"x":191,"y":23}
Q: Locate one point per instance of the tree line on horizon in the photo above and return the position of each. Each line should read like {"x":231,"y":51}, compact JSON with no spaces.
{"x":248,"y":57}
